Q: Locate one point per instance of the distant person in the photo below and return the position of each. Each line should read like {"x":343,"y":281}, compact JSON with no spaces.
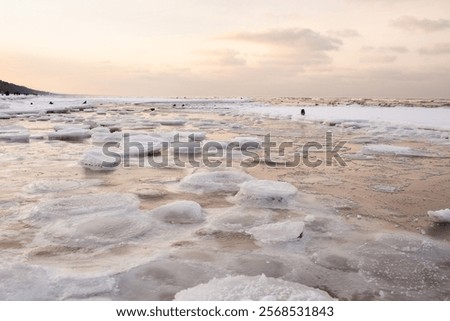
{"x":303,"y":112}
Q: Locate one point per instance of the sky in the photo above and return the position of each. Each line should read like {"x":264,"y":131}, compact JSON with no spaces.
{"x":264,"y":48}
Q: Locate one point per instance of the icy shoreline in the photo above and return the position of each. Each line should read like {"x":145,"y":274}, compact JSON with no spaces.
{"x":159,"y":233}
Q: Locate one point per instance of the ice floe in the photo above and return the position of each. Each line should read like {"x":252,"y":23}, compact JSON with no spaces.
{"x":266,"y":194}
{"x":277,"y":232}
{"x":251,"y":288}
{"x":380,"y":149}
{"x":97,"y":160}
{"x":214,"y":181}
{"x":98,"y":229}
{"x":85,"y":204}
{"x":14,"y":134}
{"x":180,"y":212}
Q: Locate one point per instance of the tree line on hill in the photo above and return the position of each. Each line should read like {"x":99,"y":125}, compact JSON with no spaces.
{"x":7,"y":89}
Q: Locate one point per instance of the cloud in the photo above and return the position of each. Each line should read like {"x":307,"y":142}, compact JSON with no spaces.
{"x":409,"y":23}
{"x":345,"y":33}
{"x":436,"y":49}
{"x":291,"y":48}
{"x":222,"y":57}
{"x":385,"y":49}
{"x":381,"y":55}
{"x":305,"y":39}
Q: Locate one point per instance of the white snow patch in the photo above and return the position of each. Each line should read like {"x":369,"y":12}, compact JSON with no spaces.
{"x":180,"y":212}
{"x":277,"y":232}
{"x":251,"y":288}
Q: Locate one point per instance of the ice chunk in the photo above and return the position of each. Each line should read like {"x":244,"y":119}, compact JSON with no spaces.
{"x":85,"y":204}
{"x":14,"y":134}
{"x":180,"y":212}
{"x":191,"y":136}
{"x":277,"y":232}
{"x":96,"y":160}
{"x":213,"y":182}
{"x":93,"y":230}
{"x":266,"y":194}
{"x":440,"y":216}
{"x":392,"y":150}
{"x":59,"y":185}
{"x":384,"y":188}
{"x":254,"y":288}
{"x":140,"y":145}
{"x":147,"y":192}
{"x":172,"y":122}
{"x":100,"y":137}
{"x":71,"y":134}
{"x":237,"y":219}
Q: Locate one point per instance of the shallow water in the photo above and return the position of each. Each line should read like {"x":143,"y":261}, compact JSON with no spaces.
{"x":67,"y":232}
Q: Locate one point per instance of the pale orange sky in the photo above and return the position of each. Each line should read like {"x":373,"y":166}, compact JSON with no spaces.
{"x":358,"y":48}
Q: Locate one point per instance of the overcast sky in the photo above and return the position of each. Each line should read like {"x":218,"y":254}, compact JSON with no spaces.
{"x":356,"y":48}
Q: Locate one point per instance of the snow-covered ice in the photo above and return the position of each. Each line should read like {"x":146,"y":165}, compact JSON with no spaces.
{"x":251,"y":288}
{"x":277,"y":232}
{"x":67,"y":207}
{"x":214,"y":181}
{"x":70,"y":133}
{"x":98,"y":229}
{"x":241,"y":233}
{"x":97,"y":160}
{"x":180,"y":212}
{"x":14,"y":134}
{"x":266,"y":194}
{"x":379,"y":149}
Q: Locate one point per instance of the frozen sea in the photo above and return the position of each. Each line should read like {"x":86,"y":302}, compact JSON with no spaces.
{"x":150,"y":218}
